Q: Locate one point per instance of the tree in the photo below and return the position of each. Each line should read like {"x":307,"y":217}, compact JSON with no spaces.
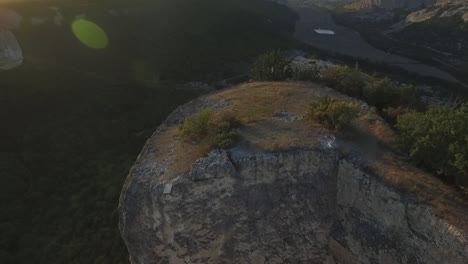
{"x":437,"y":140}
{"x":271,"y":67}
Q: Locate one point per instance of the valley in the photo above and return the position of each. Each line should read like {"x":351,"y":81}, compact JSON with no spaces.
{"x":349,"y":42}
{"x":76,"y":117}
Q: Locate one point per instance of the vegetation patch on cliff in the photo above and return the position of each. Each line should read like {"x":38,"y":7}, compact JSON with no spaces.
{"x":269,"y":116}
{"x":334,"y":114}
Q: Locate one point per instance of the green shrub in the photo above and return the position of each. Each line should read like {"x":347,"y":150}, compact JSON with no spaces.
{"x":333,"y":76}
{"x":226,"y":131}
{"x":308,"y":73}
{"x":271,"y":67}
{"x":345,"y":79}
{"x":437,"y":140}
{"x":220,"y":133}
{"x":392,"y":113}
{"x":382,"y":93}
{"x":409,"y":96}
{"x":196,"y":127}
{"x":334,"y":114}
{"x":352,"y":83}
{"x":225,"y":136}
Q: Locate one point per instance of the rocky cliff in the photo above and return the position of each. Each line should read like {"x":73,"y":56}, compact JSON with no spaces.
{"x":288,"y":192}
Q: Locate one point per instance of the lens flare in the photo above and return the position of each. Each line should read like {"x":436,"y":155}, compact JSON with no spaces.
{"x":90,"y":34}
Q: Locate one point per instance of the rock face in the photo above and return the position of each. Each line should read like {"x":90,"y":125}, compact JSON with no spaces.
{"x":11,"y":54}
{"x":295,"y":207}
{"x":378,"y":224}
{"x":311,"y":205}
{"x":391,"y":4}
{"x":442,"y":9}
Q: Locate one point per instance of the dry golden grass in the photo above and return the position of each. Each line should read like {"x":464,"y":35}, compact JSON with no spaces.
{"x":272,"y":135}
{"x":259,"y":101}
{"x":447,"y":202}
{"x":374,"y":126}
{"x":254,"y":104}
{"x":176,"y":154}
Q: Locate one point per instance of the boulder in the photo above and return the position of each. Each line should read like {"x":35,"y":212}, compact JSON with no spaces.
{"x":11,"y":55}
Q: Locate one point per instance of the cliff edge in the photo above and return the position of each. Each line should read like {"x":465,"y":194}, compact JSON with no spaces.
{"x":288,"y":192}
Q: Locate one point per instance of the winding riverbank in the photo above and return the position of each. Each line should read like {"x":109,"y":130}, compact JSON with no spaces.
{"x":349,"y":42}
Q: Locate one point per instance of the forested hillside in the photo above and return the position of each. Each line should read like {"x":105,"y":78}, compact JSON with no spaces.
{"x":74,"y":119}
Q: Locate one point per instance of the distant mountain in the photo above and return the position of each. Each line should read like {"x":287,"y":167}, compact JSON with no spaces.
{"x":441,"y":9}
{"x":314,"y":2}
{"x":443,"y":2}
{"x":441,"y":28}
{"x":390,"y":4}
{"x":432,"y":31}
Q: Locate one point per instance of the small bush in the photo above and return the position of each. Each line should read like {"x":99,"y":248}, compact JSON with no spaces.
{"x":271,"y":67}
{"x":333,"y":76}
{"x":382,"y":93}
{"x":352,"y":83}
{"x":345,"y":79}
{"x":307,"y":73}
{"x":334,"y":114}
{"x":220,"y":132}
{"x":391,"y":114}
{"x":225,"y":136}
{"x":409,"y":96}
{"x":196,"y":127}
{"x":226,"y":131}
{"x":437,"y":140}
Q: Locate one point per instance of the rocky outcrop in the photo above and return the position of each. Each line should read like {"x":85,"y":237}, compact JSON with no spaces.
{"x":441,"y":10}
{"x":322,"y":203}
{"x":380,"y":224}
{"x":391,"y":4}
{"x":276,"y":208}
{"x":294,"y":207}
{"x":11,"y":55}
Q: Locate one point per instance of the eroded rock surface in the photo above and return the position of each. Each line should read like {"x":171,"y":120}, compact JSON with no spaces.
{"x":319,"y":204}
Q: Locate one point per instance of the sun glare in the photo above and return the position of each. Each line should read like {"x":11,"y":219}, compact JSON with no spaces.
{"x":90,"y":34}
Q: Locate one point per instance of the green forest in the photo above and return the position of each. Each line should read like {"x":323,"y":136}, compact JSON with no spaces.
{"x":74,"y":119}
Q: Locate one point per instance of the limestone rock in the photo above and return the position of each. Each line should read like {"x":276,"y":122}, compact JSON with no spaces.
{"x":331,"y":203}
{"x":217,"y":164}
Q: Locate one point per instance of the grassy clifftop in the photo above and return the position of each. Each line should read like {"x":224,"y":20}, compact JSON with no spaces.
{"x":275,"y":118}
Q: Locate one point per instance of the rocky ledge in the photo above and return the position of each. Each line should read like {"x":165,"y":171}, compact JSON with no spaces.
{"x":288,"y":192}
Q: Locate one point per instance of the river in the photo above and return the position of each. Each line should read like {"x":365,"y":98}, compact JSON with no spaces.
{"x":349,"y":42}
